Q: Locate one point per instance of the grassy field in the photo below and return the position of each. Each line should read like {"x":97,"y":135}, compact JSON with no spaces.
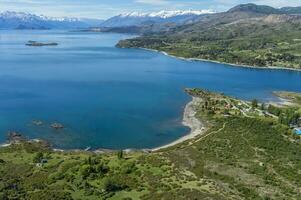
{"x":247,"y":153}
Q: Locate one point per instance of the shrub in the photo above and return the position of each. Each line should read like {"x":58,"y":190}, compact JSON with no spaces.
{"x":113,"y":184}
{"x":38,"y":157}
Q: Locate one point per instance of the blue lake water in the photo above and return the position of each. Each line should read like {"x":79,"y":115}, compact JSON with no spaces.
{"x":108,"y":97}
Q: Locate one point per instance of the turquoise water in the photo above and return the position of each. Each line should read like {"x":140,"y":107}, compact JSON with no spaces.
{"x":298,"y":132}
{"x":108,"y":97}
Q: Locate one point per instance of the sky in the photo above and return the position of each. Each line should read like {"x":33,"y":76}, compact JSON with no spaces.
{"x":104,"y":9}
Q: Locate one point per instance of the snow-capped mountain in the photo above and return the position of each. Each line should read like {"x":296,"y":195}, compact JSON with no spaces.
{"x":138,"y":19}
{"x":166,"y":14}
{"x":20,"y":20}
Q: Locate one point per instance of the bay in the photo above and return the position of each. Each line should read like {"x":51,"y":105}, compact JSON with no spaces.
{"x":108,"y":97}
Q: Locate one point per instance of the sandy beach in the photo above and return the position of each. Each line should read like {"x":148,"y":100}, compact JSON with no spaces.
{"x":5,"y":145}
{"x":189,"y":119}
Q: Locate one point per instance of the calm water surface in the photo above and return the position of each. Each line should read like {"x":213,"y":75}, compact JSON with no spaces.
{"x":108,"y":97}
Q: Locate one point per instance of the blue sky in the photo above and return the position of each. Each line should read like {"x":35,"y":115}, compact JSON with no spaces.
{"x":107,"y":8}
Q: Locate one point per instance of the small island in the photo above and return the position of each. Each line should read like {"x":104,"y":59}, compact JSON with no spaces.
{"x":40,"y":44}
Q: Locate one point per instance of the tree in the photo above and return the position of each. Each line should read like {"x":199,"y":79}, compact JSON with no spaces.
{"x":262,"y":107}
{"x":254,"y":103}
{"x":89,"y":160}
{"x":120,"y":154}
{"x":206,"y":104}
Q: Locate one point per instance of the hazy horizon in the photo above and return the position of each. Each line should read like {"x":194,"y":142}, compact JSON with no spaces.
{"x":103,"y":9}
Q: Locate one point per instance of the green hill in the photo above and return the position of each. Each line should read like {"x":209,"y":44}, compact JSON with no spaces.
{"x":245,"y":35}
{"x":255,"y":8}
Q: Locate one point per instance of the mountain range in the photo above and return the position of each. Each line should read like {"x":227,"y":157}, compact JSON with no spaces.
{"x":133,"y":22}
{"x":168,"y":21}
{"x":21,"y":20}
{"x":141,"y":19}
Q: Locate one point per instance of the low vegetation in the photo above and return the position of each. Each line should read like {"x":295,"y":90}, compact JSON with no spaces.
{"x":246,"y":153}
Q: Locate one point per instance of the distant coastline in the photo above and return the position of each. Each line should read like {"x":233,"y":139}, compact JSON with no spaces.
{"x":218,"y":62}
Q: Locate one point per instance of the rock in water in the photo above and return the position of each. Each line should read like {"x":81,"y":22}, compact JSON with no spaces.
{"x":15,"y":137}
{"x":57,"y":126}
{"x":37,"y":122}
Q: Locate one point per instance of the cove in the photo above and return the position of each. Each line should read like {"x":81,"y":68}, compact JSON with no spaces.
{"x":108,"y":97}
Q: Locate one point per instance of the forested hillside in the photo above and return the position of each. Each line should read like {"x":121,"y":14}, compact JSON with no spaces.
{"x":245,"y":35}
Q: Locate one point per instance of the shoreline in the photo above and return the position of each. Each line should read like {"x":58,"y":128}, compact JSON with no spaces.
{"x":189,"y":119}
{"x":18,"y":142}
{"x":196,"y":128}
{"x":224,"y":63}
{"x":282,"y":100}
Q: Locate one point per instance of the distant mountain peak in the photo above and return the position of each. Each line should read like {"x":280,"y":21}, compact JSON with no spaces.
{"x":13,"y":14}
{"x":167,"y":13}
{"x":16,"y":20}
{"x":24,"y":16}
{"x":250,"y":7}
